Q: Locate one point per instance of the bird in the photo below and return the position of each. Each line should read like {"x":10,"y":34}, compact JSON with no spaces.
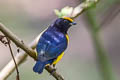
{"x":52,"y":43}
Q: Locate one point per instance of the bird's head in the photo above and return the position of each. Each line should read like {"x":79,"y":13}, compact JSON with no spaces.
{"x":63,"y":24}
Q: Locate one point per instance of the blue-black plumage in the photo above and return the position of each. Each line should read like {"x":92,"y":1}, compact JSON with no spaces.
{"x":52,"y":43}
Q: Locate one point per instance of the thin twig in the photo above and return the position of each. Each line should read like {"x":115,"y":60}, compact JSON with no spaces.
{"x":20,"y":58}
{"x":17,"y":41}
{"x":16,"y":67}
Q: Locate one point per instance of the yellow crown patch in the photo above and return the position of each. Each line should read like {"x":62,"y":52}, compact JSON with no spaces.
{"x":67,"y":18}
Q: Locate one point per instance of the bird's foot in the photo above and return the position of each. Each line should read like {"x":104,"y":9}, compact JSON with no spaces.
{"x":54,"y":67}
{"x":53,"y":70}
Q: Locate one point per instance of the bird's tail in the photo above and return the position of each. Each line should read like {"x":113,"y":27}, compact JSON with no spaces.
{"x":39,"y":66}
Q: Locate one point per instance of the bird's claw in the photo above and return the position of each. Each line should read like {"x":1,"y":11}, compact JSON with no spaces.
{"x":53,"y":70}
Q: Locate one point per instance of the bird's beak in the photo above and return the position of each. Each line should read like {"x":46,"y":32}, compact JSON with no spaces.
{"x":73,"y":23}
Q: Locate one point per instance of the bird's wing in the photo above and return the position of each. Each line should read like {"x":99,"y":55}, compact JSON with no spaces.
{"x":55,"y":50}
{"x":49,"y":50}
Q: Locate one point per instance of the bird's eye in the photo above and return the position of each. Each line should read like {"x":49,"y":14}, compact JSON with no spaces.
{"x":65,"y":21}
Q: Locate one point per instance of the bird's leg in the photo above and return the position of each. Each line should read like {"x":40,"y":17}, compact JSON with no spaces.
{"x":54,"y":67}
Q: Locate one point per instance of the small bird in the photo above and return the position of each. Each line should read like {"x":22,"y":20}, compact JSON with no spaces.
{"x":52,"y":44}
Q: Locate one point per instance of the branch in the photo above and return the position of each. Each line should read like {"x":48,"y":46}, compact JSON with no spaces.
{"x":16,"y":67}
{"x":17,"y":41}
{"x":75,"y":12}
{"x":9,"y":68}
